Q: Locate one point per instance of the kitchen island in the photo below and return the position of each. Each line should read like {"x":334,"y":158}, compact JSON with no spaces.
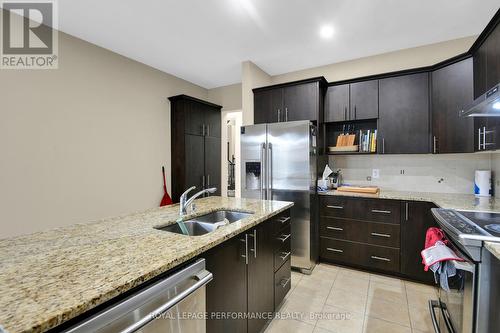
{"x":50,"y":277}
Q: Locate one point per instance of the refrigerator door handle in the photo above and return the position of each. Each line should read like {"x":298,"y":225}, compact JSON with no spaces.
{"x":262,"y":170}
{"x":269,"y":171}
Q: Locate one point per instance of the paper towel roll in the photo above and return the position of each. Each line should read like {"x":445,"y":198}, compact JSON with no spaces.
{"x":482,"y":183}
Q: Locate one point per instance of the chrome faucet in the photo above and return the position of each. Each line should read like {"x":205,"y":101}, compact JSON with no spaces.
{"x":184,"y":202}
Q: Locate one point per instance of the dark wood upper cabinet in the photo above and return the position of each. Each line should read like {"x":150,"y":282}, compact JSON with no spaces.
{"x":403,"y":126}
{"x":416,"y":218}
{"x":337,"y":103}
{"x":355,"y":101}
{"x":196,"y":144}
{"x":268,"y":106}
{"x":452,"y":91}
{"x":363,"y":100}
{"x":301,"y":100}
{"x":487,"y":63}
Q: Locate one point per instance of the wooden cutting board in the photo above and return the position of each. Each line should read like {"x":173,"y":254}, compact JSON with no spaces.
{"x":359,"y":189}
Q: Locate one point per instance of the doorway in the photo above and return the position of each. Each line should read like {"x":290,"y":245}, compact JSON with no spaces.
{"x":231,"y":124}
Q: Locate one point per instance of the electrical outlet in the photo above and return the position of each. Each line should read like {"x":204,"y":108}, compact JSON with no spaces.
{"x":375,"y":173}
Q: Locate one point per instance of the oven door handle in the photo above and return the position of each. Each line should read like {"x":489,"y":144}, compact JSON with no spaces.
{"x":434,"y":304}
{"x":446,"y":316}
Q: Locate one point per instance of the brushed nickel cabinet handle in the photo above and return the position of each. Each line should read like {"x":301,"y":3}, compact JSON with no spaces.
{"x":380,"y":235}
{"x":279,"y":115}
{"x":286,"y":114}
{"x":283,"y":238}
{"x":381,"y":211}
{"x":335,"y":228}
{"x":381,"y":258}
{"x":434,"y":149}
{"x":383,"y":146}
{"x":286,"y":219}
{"x":285,"y":255}
{"x":335,"y":207}
{"x":334,"y":250}
{"x":479,"y":138}
{"x":284,"y":282}
{"x":407,"y":211}
{"x":246,"y":249}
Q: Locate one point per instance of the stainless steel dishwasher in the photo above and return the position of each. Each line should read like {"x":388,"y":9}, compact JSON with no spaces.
{"x":173,"y":304}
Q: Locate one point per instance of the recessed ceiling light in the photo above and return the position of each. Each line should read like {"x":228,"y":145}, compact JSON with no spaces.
{"x":326,"y":31}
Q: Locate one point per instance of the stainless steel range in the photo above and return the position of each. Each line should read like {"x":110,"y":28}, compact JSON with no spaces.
{"x":471,"y":304}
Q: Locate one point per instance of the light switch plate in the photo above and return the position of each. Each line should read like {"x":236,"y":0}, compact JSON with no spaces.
{"x":375,"y":173}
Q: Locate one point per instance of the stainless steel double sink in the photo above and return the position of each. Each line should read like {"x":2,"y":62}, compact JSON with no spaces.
{"x":205,"y":224}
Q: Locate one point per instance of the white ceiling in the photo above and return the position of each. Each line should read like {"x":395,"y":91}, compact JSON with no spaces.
{"x":205,"y":41}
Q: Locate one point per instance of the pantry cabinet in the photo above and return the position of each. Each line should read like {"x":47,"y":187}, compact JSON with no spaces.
{"x":196,"y":144}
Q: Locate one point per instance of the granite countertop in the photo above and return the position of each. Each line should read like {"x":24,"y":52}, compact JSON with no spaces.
{"x":49,"y":277}
{"x":444,"y":200}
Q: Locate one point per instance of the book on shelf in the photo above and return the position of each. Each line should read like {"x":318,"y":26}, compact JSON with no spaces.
{"x":367,"y":141}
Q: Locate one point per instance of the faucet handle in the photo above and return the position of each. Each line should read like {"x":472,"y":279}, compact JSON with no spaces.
{"x":187,"y":191}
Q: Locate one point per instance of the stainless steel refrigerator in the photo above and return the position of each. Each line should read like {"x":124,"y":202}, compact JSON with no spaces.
{"x":278,"y":162}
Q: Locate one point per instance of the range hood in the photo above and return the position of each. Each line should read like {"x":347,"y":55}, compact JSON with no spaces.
{"x":486,"y":105}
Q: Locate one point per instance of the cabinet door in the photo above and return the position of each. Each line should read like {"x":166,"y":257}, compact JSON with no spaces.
{"x":212,"y":122}
{"x":212,"y":163}
{"x":364,"y":100}
{"x":452,"y":91}
{"x":301,"y":102}
{"x":195,"y":117}
{"x":194,"y":168}
{"x":415,"y":220}
{"x":493,"y":58}
{"x":337,"y":103}
{"x":260,"y":274}
{"x":403,"y":126}
{"x":479,"y":59}
{"x":268,"y":106}
{"x":227,"y":292}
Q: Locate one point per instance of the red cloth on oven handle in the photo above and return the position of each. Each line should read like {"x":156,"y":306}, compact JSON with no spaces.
{"x":432,"y":236}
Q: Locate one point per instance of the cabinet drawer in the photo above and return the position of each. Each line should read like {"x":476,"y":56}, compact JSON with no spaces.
{"x":282,"y":283}
{"x":361,"y":231}
{"x":282,"y":254}
{"x":280,"y":221}
{"x":370,"y":256}
{"x":282,"y":237}
{"x":337,"y":206}
{"x":386,"y":211}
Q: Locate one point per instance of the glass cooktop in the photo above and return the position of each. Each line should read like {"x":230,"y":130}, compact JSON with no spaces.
{"x":489,"y":222}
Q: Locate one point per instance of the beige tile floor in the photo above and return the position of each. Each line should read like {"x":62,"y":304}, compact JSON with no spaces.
{"x":339,"y":300}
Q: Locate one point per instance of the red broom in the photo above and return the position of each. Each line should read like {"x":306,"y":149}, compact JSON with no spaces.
{"x":166,"y":200}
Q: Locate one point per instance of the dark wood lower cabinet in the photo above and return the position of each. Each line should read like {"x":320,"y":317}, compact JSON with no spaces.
{"x":244,"y":280}
{"x":260,"y":276}
{"x":415,"y":220}
{"x":227,"y":292}
{"x":377,"y":234}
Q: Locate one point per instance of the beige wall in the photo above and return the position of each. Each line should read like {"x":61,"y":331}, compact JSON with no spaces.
{"x":251,"y":77}
{"x":388,"y":62}
{"x":228,"y":96}
{"x":85,"y":141}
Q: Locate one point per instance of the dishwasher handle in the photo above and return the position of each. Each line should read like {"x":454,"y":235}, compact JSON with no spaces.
{"x":194,"y":272}
{"x":203,"y":278}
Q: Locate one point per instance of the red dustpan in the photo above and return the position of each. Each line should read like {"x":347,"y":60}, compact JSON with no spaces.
{"x":166,"y":200}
